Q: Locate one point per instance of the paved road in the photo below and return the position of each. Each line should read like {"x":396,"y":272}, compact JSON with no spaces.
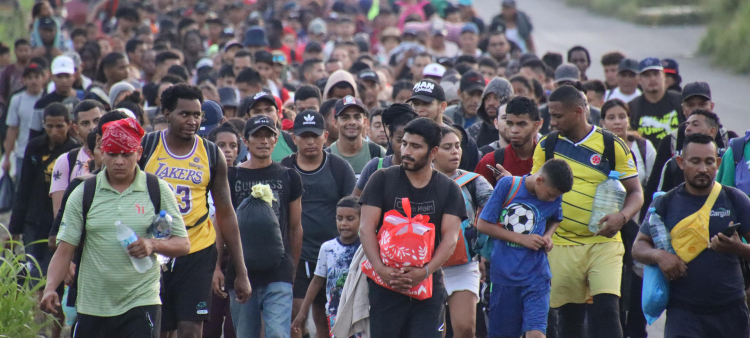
{"x":558,"y":27}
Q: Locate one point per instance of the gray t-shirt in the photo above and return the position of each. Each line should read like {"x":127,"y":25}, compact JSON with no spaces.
{"x":371,"y":168}
{"x":20,"y":112}
{"x":359,"y":160}
{"x":324,"y":187}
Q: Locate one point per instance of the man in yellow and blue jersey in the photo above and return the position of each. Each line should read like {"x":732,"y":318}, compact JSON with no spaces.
{"x":587,"y":265}
{"x":193,"y":167}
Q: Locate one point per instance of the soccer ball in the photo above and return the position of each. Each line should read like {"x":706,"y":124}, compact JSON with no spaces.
{"x":519,"y":219}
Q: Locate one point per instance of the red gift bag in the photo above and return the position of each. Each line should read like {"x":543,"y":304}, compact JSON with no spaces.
{"x":405,"y":241}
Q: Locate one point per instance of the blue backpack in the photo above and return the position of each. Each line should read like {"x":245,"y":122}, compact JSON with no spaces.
{"x":741,"y":170}
{"x":484,"y":243}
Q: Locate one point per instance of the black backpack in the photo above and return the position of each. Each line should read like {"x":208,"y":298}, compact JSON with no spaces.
{"x":499,"y":155}
{"x":72,"y":158}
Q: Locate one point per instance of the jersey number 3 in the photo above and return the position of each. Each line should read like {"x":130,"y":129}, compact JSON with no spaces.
{"x":184,"y":198}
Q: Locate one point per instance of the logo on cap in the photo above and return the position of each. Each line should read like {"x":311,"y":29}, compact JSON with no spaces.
{"x":260,"y":94}
{"x":261,"y":120}
{"x":309,"y":119}
{"x":424,"y":87}
{"x":349,"y":100}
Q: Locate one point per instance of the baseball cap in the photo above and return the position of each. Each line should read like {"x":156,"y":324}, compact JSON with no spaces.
{"x":471,"y":81}
{"x":427,"y":91}
{"x":434,"y":70}
{"x":263,"y":56}
{"x":75,"y":57}
{"x":279,"y":57}
{"x":228,"y":97}
{"x":349,"y":101}
{"x":204,"y":62}
{"x":509,"y":3}
{"x":699,"y":88}
{"x":397,"y":109}
{"x":33,"y":68}
{"x":470,"y":27}
{"x":201,"y":7}
{"x":439,"y":31}
{"x":649,"y":64}
{"x":262,"y":96}
{"x":368,"y":75}
{"x":410,"y":31}
{"x":567,"y":72}
{"x":255,"y":36}
{"x":259,"y":121}
{"x":445,"y":61}
{"x":63,"y":65}
{"x":309,"y":121}
{"x":317,"y":26}
{"x":628,"y":65}
{"x":670,"y":66}
{"x":231,"y":44}
{"x":211,"y":118}
{"x":47,"y":23}
{"x":313,"y":47}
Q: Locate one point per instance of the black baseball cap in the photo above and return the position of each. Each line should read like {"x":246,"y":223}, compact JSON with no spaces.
{"x":368,"y":75}
{"x":471,"y":81}
{"x":259,"y":121}
{"x":211,"y":118}
{"x":313,"y":47}
{"x":263,"y":56}
{"x":696,"y":89}
{"x":349,"y":101}
{"x":628,"y":65}
{"x":309,"y":121}
{"x":262,"y":96}
{"x":201,"y":7}
{"x":47,"y":23}
{"x":427,"y":91}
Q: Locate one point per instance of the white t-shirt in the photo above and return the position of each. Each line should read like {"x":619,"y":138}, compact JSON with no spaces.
{"x":20,"y":112}
{"x":617,"y":94}
{"x":644,"y":168}
{"x":61,"y":175}
{"x":512,"y":35}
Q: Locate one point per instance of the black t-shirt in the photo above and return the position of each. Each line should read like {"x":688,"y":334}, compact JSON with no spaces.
{"x":387,"y":187}
{"x":713,"y":279}
{"x":286,"y":185}
{"x":654,"y":121}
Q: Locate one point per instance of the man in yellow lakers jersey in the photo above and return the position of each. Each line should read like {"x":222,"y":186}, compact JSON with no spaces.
{"x":587,"y":265}
{"x":193,"y":167}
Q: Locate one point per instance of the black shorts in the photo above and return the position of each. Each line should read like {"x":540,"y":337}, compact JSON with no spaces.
{"x":186,"y":288}
{"x":305,"y":274}
{"x":730,"y":323}
{"x":393,"y":314}
{"x":138,"y":322}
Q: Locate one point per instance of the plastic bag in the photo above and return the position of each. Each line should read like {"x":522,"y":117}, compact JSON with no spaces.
{"x":260,"y":233}
{"x":655,"y":296}
{"x":7,"y":193}
{"x":405,"y":241}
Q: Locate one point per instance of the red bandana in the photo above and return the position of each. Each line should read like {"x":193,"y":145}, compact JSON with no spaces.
{"x":122,"y":136}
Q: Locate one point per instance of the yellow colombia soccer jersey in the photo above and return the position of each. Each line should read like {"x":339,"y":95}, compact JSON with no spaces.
{"x":589,"y":169}
{"x":188,"y":176}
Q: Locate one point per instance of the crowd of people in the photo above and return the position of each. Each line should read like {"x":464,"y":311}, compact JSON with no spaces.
{"x":279,"y":136}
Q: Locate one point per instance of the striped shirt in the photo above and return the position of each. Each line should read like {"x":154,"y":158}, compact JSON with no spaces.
{"x":108,"y":284}
{"x":590,"y":168}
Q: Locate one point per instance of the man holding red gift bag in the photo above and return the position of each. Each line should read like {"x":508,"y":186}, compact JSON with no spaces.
{"x":435,"y":205}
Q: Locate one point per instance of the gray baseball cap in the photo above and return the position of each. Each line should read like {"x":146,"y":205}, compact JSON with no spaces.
{"x":567,"y":72}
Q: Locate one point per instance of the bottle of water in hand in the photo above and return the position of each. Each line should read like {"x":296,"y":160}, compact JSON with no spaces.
{"x":162,"y":229}
{"x":126,"y":236}
{"x":609,"y":199}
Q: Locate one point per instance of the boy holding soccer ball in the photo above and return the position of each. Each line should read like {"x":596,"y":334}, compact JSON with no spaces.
{"x":521,"y":217}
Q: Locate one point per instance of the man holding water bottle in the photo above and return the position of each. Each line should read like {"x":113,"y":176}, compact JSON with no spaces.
{"x":113,"y":296}
{"x":584,"y":264}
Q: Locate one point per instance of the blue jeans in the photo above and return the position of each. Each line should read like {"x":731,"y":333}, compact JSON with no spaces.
{"x":273,"y":302}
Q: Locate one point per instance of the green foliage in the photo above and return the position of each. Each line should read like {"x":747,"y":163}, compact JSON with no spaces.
{"x":14,"y":15}
{"x":667,"y":11}
{"x":727,"y":40}
{"x":19,"y":311}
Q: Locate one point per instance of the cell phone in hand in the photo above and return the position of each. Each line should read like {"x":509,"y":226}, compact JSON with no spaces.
{"x":729,"y":232}
{"x":496,"y":171}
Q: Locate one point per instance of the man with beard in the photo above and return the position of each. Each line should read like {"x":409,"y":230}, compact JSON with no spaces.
{"x":497,"y":93}
{"x":587,"y":265}
{"x":707,"y":294}
{"x":658,"y":111}
{"x":498,"y":46}
{"x":428,"y":100}
{"x":392,"y":313}
{"x":351,"y":115}
{"x":522,"y":124}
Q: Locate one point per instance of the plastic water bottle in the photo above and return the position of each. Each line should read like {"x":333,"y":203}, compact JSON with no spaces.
{"x":162,"y":229}
{"x":609,"y":199}
{"x":126,"y":236}
{"x":659,"y":234}
{"x":162,"y":226}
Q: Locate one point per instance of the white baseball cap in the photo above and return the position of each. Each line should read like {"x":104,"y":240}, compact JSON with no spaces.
{"x":434,"y":70}
{"x":63,"y":65}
